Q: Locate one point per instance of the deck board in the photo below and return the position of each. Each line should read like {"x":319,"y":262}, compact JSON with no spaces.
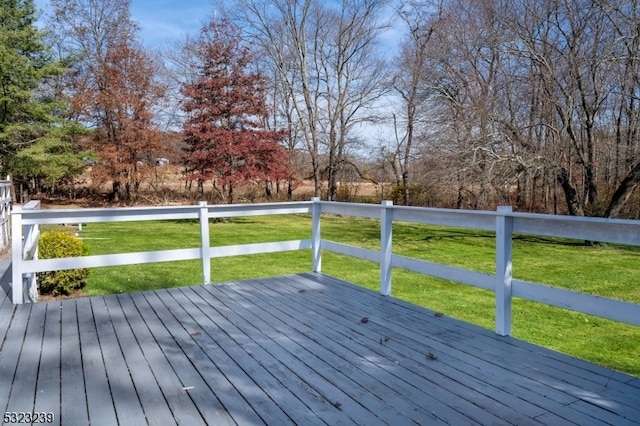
{"x":288,"y":350}
{"x":148,"y":332}
{"x":407,"y":381}
{"x":99,"y":395}
{"x":153,"y":408}
{"x":177,"y":345}
{"x":48,"y":386}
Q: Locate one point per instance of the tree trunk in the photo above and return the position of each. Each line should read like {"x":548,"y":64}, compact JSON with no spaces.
{"x":230,"y":194}
{"x":115,"y":192}
{"x":570,"y":193}
{"x":405,"y":187}
{"x":332,"y":187}
{"x":624,"y":191}
{"x":267,"y":190}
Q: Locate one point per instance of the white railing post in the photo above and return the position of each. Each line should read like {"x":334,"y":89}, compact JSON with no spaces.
{"x":17,"y":285}
{"x":205,"y":250}
{"x":5,"y":200}
{"x":386,"y":226}
{"x":316,"y":250}
{"x":504,"y":230}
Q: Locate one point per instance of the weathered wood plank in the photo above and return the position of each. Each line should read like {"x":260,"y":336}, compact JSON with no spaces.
{"x":26,"y":373}
{"x":279,"y":374}
{"x":127,"y":405}
{"x":98,"y":392}
{"x":221,"y":340}
{"x":145,"y":398}
{"x":139,"y":314}
{"x":72,"y":385}
{"x":10,"y":351}
{"x":177,"y":344}
{"x":47,"y":399}
{"x":329,"y":360}
{"x":474,"y":383}
{"x":230,"y":383}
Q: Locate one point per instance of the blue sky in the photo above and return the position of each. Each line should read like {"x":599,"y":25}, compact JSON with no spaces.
{"x":163,"y":21}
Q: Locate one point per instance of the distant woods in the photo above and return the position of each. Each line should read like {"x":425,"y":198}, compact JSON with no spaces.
{"x":528,"y":103}
{"x":443,"y":103}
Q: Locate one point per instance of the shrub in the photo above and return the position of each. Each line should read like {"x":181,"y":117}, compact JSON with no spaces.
{"x":55,"y":244}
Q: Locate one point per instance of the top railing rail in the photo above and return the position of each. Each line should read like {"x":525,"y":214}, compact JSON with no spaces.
{"x":503,"y":222}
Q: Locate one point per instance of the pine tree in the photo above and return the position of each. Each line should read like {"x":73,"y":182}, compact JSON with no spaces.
{"x":226,"y":140}
{"x":35,"y":140}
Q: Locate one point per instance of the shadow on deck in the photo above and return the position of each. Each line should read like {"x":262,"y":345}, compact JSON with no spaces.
{"x":299,"y":349}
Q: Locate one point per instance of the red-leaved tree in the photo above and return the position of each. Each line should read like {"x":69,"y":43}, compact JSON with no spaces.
{"x":225,"y":136}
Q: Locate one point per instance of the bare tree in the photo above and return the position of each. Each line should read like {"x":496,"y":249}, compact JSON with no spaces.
{"x":625,"y":19}
{"x":535,"y":97}
{"x":354,"y":78}
{"x":329,"y":68}
{"x":420,"y":19}
{"x":579,"y":68}
{"x":287,"y":33}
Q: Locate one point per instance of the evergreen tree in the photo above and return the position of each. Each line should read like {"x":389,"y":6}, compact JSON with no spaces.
{"x":35,"y":140}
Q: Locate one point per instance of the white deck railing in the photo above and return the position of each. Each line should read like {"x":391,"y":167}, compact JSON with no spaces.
{"x":504,"y":223}
{"x":5,"y":210}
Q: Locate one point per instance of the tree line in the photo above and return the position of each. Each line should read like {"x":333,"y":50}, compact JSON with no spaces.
{"x":453,"y":103}
{"x":535,"y":102}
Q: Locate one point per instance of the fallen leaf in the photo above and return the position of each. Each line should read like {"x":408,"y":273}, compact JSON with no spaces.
{"x":431,"y":356}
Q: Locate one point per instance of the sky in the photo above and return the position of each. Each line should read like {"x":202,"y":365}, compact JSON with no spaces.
{"x":164,"y":21}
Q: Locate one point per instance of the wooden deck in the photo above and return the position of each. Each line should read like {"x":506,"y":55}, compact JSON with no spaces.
{"x":301,"y":349}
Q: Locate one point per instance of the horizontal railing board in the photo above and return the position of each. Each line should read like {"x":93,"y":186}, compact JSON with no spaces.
{"x":371,"y":211}
{"x":96,"y":261}
{"x":236,"y":210}
{"x":257,"y":248}
{"x":580,"y":302}
{"x":117,"y":214}
{"x":464,"y":276}
{"x":582,"y":228}
{"x":446,"y":272}
{"x":348,"y":250}
{"x":127,"y":214}
{"x":485,"y":220}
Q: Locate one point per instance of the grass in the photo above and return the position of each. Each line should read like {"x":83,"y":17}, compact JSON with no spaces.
{"x":605,"y":270}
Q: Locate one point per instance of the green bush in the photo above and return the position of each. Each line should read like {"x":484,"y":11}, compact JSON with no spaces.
{"x":56,"y":244}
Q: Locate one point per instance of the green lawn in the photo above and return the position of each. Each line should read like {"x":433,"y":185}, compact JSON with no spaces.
{"x":605,"y":270}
